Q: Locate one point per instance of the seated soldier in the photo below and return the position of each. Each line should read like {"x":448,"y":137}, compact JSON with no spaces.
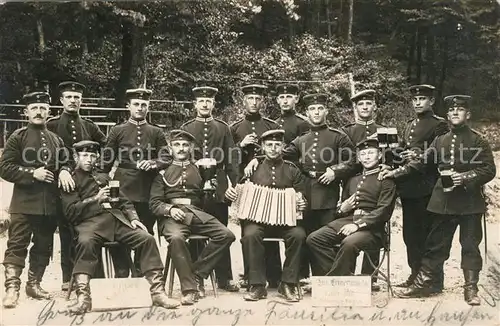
{"x":359,"y":225}
{"x":96,"y":221}
{"x":176,"y":196}
{"x":273,"y":172}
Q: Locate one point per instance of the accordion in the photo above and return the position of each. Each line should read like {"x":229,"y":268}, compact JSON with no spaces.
{"x":266,"y":205}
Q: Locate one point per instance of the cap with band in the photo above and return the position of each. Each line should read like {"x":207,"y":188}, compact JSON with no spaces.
{"x":71,"y":86}
{"x":36,"y":97}
{"x":274,"y":134}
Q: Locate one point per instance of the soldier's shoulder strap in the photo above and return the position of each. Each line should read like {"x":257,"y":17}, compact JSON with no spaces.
{"x":291,"y":163}
{"x":349,"y":125}
{"x":88,"y":120}
{"x":54,"y":118}
{"x":237,"y":122}
{"x":188,"y":122}
{"x":221,"y":121}
{"x":340,"y":131}
{"x":477,"y":132}
{"x":269,"y":120}
{"x":19,"y":131}
{"x":301,"y":116}
{"x":438,"y":117}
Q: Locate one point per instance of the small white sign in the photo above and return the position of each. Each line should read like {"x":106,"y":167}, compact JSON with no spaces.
{"x":341,"y":291}
{"x":119,"y":293}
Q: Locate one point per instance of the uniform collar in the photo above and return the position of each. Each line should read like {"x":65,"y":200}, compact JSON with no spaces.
{"x":37,"y":127}
{"x":275,"y":162}
{"x":365,"y":123}
{"x":319,"y":127}
{"x":459,"y":129}
{"x":181,"y":163}
{"x":426,"y":114}
{"x":253,"y":116}
{"x":201,"y":119}
{"x":288,"y":113}
{"x":70,"y":116}
{"x":135,"y":122}
{"x":371,"y":171}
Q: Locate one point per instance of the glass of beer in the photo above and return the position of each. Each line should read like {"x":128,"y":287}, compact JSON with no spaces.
{"x":446,"y":180}
{"x":382,"y":137}
{"x":114,"y":190}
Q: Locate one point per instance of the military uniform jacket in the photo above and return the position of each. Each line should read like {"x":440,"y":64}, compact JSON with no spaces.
{"x":73,"y":128}
{"x":465,"y":151}
{"x":179,"y":181}
{"x":293,"y":124}
{"x":279,"y":174}
{"x":321,"y":148}
{"x":359,"y":131}
{"x":375,"y":200}
{"x":27,"y":149}
{"x":418,"y":135}
{"x":254,"y":123}
{"x":215,"y":141}
{"x":129,"y":143}
{"x":80,"y":206}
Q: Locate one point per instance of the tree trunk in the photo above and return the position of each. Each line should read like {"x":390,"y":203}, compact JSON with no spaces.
{"x":419,"y":55}
{"x":328,"y":21}
{"x":132,"y":63}
{"x":411,"y":57}
{"x":84,"y":29}
{"x":340,"y":24}
{"x":41,"y":35}
{"x":444,"y":56}
{"x":430,"y":57}
{"x":350,"y":21}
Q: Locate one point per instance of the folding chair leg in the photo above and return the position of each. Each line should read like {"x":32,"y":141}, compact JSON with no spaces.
{"x":167,"y":265}
{"x":171,"y":281}
{"x":212,"y":279}
{"x":131,"y":266}
{"x":300,"y":293}
{"x":70,"y":287}
{"x":104,"y":262}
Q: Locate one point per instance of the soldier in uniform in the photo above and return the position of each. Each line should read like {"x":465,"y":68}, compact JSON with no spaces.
{"x":415,"y":190}
{"x":97,"y":220}
{"x":273,"y":172}
{"x":326,"y":156}
{"x":457,"y":200}
{"x":217,"y":144}
{"x":293,"y":123}
{"x":364,"y":127}
{"x":136,"y":145}
{"x":72,"y":128}
{"x":34,"y":160}
{"x":176,"y":196}
{"x":367,"y":204}
{"x":246,"y":133}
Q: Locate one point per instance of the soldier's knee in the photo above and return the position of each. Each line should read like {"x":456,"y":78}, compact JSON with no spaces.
{"x":350,"y":243}
{"x":176,"y":238}
{"x":87,"y":240}
{"x":229,"y":236}
{"x":297,"y":234}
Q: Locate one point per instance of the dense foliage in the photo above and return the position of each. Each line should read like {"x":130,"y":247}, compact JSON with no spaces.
{"x":171,"y":46}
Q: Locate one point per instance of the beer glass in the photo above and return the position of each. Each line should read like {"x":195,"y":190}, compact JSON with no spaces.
{"x":114,"y":191}
{"x":446,"y":180}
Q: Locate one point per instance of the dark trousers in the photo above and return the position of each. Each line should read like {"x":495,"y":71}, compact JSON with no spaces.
{"x":438,"y":245}
{"x":272,"y":261}
{"x":417,"y":223}
{"x":255,"y":254}
{"x":90,"y":240}
{"x":327,"y":260}
{"x":223,"y":269}
{"x":67,"y":239}
{"x":313,"y":220}
{"x":120,"y":254}
{"x":25,"y":228}
{"x":177,"y":233}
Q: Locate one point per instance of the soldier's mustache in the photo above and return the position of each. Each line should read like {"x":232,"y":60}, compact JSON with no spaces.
{"x":38,"y":116}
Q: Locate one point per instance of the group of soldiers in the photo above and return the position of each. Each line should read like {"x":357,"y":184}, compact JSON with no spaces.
{"x":61,"y":170}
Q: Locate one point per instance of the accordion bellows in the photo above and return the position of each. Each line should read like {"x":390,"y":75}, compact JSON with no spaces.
{"x":266,"y":205}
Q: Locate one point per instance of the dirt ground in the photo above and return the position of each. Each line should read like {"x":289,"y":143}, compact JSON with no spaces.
{"x":231,"y":309}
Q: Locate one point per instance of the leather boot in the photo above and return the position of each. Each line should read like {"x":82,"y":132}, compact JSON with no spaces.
{"x":157,"y":290}
{"x":33,"y":289}
{"x":83,"y":299}
{"x":409,"y":281}
{"x":200,"y":285}
{"x":288,"y":291}
{"x":470,"y":287}
{"x":421,"y":287}
{"x":256,"y":293}
{"x":12,"y":285}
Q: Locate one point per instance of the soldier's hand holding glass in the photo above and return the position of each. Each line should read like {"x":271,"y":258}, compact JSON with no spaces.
{"x":249,"y":139}
{"x":301,"y":203}
{"x":41,"y":174}
{"x":458,"y":178}
{"x":103,"y":195}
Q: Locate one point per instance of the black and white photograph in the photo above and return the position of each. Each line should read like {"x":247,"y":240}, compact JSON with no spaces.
{"x":250,"y":162}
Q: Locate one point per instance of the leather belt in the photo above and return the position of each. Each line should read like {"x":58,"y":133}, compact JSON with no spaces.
{"x":128,"y":166}
{"x":180,"y":201}
{"x":360,"y":212}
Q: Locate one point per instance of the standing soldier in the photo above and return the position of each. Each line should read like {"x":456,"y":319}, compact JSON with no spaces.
{"x":217,"y":143}
{"x":136,"y":145}
{"x":415,"y":190}
{"x":466,"y":164}
{"x":293,"y":123}
{"x":33,"y":159}
{"x":246,"y":133}
{"x":72,"y":128}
